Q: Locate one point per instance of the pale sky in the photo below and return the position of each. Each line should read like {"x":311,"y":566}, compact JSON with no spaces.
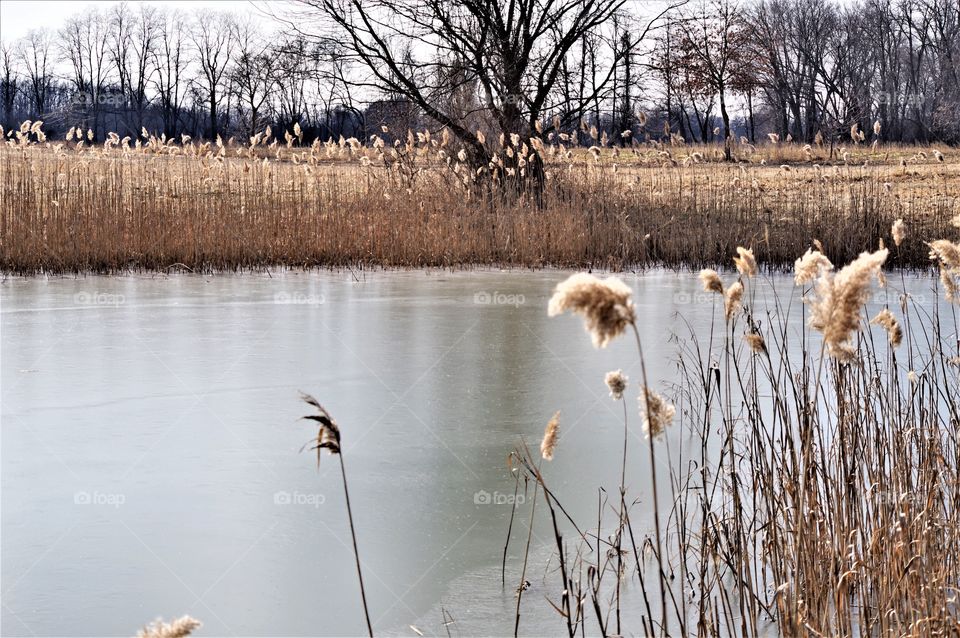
{"x":17,"y":17}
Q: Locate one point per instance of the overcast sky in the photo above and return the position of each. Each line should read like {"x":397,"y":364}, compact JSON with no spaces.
{"x":19,"y":16}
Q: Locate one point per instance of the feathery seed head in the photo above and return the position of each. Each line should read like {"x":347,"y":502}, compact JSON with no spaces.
{"x":755,"y":341}
{"x":711,"y":281}
{"x":732,"y":300}
{"x":836,"y":310}
{"x":617,"y":382}
{"x":179,"y":628}
{"x":550,"y":433}
{"x":745,"y":262}
{"x":809,"y":267}
{"x":605,"y":305}
{"x":656,"y":412}
{"x":888,"y":322}
{"x":899,"y":232}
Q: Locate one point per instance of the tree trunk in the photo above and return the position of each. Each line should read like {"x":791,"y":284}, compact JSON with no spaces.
{"x":727,"y":151}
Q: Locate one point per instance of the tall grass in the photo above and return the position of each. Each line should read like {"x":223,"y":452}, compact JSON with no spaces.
{"x":155,"y":204}
{"x":822,"y":497}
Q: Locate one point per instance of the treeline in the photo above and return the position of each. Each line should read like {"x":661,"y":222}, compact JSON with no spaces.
{"x":806,"y":70}
{"x":803,"y":67}
{"x":203,"y":74}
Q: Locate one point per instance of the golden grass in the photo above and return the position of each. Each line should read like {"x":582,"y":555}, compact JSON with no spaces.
{"x":205,"y":206}
{"x":810,"y":494}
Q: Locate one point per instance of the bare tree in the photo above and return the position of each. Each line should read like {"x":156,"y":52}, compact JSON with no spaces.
{"x":213,"y":40}
{"x":84,"y":45}
{"x":715,"y":47}
{"x":9,"y":83}
{"x":168,"y":65}
{"x":512,"y":52}
{"x":36,"y":53}
{"x":251,"y":73}
{"x":294,"y":65}
{"x":133,"y":40}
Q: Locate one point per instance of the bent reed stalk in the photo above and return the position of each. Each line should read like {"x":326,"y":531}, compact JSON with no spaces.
{"x":328,"y":438}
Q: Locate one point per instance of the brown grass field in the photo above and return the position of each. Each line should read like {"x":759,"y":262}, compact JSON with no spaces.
{"x":69,"y":207}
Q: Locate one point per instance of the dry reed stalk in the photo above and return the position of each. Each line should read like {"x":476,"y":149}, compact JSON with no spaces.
{"x":328,"y":438}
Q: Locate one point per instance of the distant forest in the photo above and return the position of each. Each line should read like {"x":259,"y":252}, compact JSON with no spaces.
{"x":804,"y":70}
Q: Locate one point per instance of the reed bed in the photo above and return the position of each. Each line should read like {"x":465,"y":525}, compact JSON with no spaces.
{"x":817,"y":491}
{"x":155,"y":204}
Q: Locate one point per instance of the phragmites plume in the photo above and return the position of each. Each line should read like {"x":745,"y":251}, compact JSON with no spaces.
{"x":605,"y":305}
{"x":711,"y":281}
{"x":774,"y":138}
{"x":178,"y":628}
{"x":888,"y":322}
{"x":731,"y":301}
{"x":876,"y":128}
{"x":328,"y":436}
{"x":655,"y":411}
{"x":809,"y":267}
{"x":947,"y":254}
{"x":745,"y":262}
{"x":836,"y":310}
{"x":899,"y":232}
{"x":549,"y":442}
{"x":617,"y":382}
{"x":755,"y":341}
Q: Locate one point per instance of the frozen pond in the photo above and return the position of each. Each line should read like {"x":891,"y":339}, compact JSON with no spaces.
{"x":150,"y":441}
